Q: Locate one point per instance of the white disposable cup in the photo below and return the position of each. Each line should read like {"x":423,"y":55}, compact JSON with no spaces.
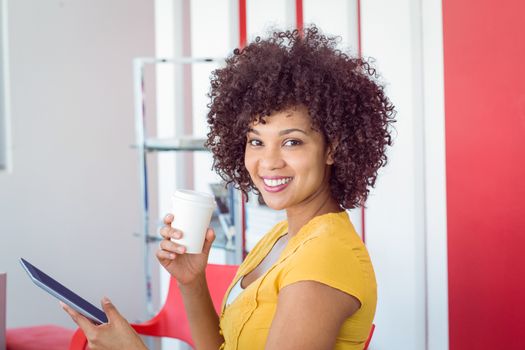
{"x":192,"y":213}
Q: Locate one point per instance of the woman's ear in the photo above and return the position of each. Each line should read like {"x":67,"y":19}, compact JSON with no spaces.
{"x":330,"y":153}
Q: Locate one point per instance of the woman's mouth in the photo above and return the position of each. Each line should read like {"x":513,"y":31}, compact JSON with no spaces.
{"x":276,"y":185}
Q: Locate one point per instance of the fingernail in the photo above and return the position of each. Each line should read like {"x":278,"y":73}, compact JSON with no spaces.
{"x":180,"y":250}
{"x":106,"y":300}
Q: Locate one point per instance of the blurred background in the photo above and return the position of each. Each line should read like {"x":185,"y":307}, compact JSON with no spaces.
{"x":84,"y":88}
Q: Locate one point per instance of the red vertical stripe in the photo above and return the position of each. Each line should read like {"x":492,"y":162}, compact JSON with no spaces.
{"x":299,"y":23}
{"x":484,"y":55}
{"x":359,"y":52}
{"x":242,"y":24}
{"x":242,"y":43}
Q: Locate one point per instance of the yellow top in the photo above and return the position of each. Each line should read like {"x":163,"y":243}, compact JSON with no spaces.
{"x":328,"y":250}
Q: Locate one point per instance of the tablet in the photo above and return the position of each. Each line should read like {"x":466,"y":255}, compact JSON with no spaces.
{"x":60,"y":292}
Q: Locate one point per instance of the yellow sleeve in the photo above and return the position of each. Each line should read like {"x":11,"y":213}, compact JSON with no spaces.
{"x":328,"y":260}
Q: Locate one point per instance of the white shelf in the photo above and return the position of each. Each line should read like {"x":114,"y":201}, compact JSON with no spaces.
{"x":184,"y":143}
{"x":234,"y":250}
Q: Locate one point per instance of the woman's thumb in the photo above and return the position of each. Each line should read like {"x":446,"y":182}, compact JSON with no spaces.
{"x":110,"y":309}
{"x":210,"y":237}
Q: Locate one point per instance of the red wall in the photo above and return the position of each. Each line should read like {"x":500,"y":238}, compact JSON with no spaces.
{"x":484,"y":57}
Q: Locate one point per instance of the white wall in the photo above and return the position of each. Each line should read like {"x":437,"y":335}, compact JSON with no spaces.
{"x":405,"y":219}
{"x":433,"y":96}
{"x":4,"y":121}
{"x":394,"y":230}
{"x":70,"y":203}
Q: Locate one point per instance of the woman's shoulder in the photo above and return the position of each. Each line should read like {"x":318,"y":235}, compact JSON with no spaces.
{"x":330,"y":227}
{"x":331,"y":238}
{"x":331,"y":252}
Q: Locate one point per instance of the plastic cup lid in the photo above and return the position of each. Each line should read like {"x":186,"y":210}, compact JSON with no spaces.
{"x":197,"y":197}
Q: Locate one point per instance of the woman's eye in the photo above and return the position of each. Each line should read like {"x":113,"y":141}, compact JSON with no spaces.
{"x":254,"y":142}
{"x":292,"y":143}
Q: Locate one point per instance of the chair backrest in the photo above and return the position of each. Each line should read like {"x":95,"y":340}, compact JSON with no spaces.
{"x":172,"y":321}
{"x":219,"y":278}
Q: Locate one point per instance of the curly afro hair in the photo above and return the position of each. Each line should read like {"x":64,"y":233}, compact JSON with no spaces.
{"x":292,"y":68}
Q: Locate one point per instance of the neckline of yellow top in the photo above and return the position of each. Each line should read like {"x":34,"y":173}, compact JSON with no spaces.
{"x":280,"y":232}
{"x":283,"y":230}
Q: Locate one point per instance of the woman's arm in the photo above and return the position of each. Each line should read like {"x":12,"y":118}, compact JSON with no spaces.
{"x":190,"y":272}
{"x":204,"y":321}
{"x":309,"y":316}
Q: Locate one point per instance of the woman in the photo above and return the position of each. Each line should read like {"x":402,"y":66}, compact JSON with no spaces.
{"x":306,"y":126}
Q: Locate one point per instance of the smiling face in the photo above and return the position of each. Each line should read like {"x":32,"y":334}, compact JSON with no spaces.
{"x":287,"y":160}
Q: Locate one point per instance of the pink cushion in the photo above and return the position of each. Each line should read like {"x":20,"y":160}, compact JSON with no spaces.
{"x":47,"y":337}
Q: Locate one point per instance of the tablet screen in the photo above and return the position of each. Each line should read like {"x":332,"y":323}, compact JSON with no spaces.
{"x":63,"y":291}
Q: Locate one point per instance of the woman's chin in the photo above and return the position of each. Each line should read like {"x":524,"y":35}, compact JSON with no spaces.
{"x":275,"y":205}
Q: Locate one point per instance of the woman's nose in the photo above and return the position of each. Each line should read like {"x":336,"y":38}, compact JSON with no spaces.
{"x":271,"y":159}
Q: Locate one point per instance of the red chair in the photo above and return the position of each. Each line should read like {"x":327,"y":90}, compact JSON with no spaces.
{"x":49,"y":337}
{"x":171,"y":321}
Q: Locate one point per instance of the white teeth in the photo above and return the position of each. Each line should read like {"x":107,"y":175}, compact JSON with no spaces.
{"x":273,"y":183}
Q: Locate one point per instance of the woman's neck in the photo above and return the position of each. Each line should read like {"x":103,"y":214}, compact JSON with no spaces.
{"x":299,"y":216}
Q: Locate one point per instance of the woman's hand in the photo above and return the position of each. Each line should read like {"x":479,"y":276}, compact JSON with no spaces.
{"x":185,"y":268}
{"x":117,"y":334}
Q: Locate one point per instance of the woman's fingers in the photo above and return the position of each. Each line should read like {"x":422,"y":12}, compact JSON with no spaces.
{"x":168,"y":219}
{"x":164,"y":255}
{"x":110,"y":310}
{"x":169,"y":249}
{"x":85,"y":324}
{"x":172,"y":247}
{"x":168,"y":232}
